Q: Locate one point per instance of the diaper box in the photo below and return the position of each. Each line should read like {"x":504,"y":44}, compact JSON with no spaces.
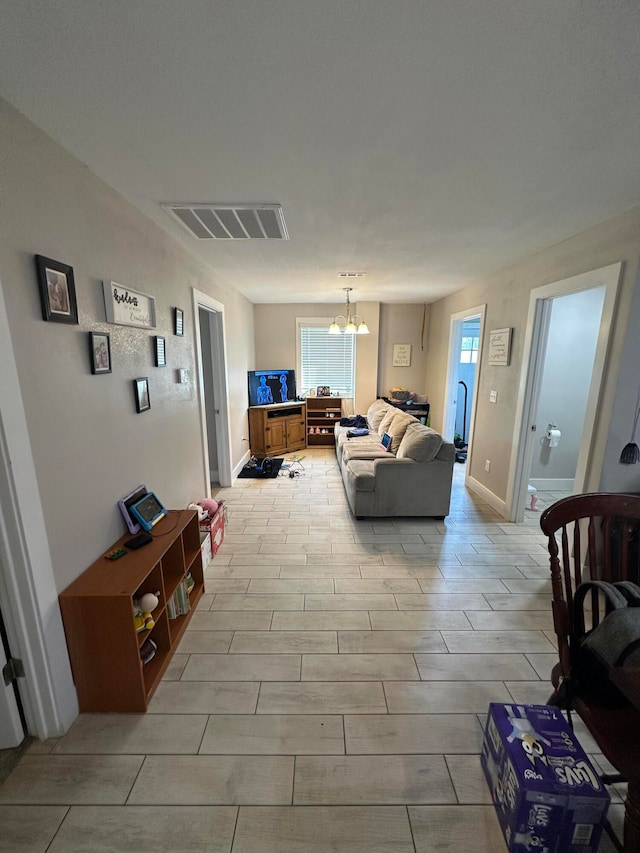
{"x":547,"y":795}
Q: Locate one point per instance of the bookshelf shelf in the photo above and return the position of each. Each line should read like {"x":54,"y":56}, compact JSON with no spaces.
{"x":322,"y":413}
{"x":97,"y":611}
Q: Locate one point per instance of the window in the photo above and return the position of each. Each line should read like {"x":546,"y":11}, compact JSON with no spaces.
{"x":469,"y":350}
{"x":324,"y":359}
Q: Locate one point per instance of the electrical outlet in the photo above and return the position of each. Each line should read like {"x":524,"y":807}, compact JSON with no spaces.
{"x":493,"y":396}
{"x":487,"y":464}
{"x":183,"y":374}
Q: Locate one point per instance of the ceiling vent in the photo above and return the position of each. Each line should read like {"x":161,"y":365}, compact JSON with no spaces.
{"x":231,"y":221}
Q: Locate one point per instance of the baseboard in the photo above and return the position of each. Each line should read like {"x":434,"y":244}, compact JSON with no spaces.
{"x":543,"y":484}
{"x":241,"y":463}
{"x":487,"y":496}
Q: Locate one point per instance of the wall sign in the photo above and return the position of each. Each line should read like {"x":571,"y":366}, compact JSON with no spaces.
{"x":402,"y":355}
{"x":127,"y":307}
{"x":499,"y":346}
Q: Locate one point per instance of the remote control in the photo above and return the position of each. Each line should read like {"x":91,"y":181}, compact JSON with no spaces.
{"x":115,"y":554}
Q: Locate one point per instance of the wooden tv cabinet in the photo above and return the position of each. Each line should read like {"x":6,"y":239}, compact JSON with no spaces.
{"x":97,"y":611}
{"x":277,"y":428}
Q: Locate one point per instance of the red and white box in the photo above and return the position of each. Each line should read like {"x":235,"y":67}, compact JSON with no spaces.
{"x":215,"y":526}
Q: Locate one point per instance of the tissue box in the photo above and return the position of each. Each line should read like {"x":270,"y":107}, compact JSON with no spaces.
{"x":215,"y":526}
{"x":547,"y":795}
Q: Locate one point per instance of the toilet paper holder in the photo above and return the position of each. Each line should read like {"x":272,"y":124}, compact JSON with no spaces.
{"x":553,"y":435}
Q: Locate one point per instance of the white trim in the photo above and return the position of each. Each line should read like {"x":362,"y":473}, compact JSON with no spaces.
{"x":553,"y":485}
{"x":609,"y":277}
{"x":28,"y":594}
{"x":223,"y":432}
{"x":487,"y":496}
{"x":241,"y":463}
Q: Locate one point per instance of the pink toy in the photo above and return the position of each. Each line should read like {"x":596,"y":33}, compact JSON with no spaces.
{"x":210,"y":505}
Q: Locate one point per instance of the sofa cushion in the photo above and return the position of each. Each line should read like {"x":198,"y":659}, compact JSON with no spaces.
{"x":420,"y":443}
{"x":388,"y":416}
{"x":375,"y":413}
{"x":360,"y":476}
{"x":363,"y":451}
{"x":397,"y":429}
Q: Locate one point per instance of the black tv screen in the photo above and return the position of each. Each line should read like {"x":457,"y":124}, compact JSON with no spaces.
{"x":271,"y":386}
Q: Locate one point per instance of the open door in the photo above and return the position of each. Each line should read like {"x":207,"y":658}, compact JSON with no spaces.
{"x":527,"y":431}
{"x":465,"y":344}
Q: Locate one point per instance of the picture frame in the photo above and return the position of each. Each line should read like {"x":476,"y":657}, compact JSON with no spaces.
{"x":500,"y":347}
{"x":160,"y":352}
{"x":57,"y":290}
{"x":402,"y":355}
{"x":100,"y":352}
{"x":323,"y":391}
{"x":141,"y":394}
{"x":178,"y":321}
{"x":127,"y":307}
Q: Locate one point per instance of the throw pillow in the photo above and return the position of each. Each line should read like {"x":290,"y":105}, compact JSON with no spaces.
{"x":420,"y":443}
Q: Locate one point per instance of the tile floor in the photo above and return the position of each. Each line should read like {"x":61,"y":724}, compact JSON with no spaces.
{"x":329,"y":694}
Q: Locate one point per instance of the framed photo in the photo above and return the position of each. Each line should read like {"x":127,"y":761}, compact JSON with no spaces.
{"x":402,"y":355}
{"x":100,"y":350}
{"x":499,"y":347}
{"x":141,"y":392}
{"x":323,"y":391}
{"x":160,"y":351}
{"x":57,"y":291}
{"x":126,"y":307}
{"x":178,"y":320}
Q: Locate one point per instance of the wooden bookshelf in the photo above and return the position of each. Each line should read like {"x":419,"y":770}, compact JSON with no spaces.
{"x":322,"y":413}
{"x":97,"y":611}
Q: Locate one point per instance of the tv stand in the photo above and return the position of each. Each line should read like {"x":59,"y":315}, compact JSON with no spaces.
{"x":277,"y":428}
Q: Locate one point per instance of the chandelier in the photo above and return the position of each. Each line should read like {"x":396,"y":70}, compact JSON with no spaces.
{"x":353,"y":323}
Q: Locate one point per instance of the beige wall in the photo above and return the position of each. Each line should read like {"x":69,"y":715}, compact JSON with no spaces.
{"x":89,"y":445}
{"x":506,"y":295}
{"x":402,"y":324}
{"x":275,"y":335}
{"x":388,"y":324}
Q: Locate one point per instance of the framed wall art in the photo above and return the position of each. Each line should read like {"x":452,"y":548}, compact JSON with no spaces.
{"x":100,"y":352}
{"x":160,"y":351}
{"x":57,"y":290}
{"x":178,"y":321}
{"x":127,"y":307}
{"x":402,"y":355}
{"x":141,"y":393}
{"x":499,"y":347}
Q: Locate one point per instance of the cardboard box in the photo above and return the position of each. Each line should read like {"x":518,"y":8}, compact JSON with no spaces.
{"x":547,"y":795}
{"x":205,"y":548}
{"x":215,"y":526}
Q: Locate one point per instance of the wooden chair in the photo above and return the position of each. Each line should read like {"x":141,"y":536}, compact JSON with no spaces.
{"x":596,"y":537}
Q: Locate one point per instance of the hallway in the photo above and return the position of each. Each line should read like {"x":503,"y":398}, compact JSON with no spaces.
{"x":329,"y":694}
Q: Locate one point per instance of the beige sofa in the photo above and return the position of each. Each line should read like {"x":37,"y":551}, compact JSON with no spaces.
{"x":412,"y":478}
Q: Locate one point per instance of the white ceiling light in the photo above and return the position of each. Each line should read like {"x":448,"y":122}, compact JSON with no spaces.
{"x":231,"y":221}
{"x":353,"y":323}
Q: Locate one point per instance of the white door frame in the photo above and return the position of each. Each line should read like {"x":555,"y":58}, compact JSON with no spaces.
{"x":28,"y":594}
{"x":533,"y":353}
{"x":450,"y":400}
{"x":220,"y":385}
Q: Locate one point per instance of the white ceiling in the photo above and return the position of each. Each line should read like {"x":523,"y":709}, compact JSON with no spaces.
{"x":428,"y":142}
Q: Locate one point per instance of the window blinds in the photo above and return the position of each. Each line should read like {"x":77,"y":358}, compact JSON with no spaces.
{"x":326,"y":360}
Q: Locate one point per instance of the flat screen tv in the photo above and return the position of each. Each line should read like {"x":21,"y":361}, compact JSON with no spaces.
{"x":271,"y":386}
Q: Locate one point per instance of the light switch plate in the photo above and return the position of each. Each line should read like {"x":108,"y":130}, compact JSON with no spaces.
{"x":493,"y":396}
{"x":183,"y":373}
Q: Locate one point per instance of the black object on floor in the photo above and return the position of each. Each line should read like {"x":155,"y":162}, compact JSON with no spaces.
{"x":258,"y":473}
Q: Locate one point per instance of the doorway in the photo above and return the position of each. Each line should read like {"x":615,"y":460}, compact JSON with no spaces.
{"x":212,"y":389}
{"x":564,"y":356}
{"x":465,"y":343}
